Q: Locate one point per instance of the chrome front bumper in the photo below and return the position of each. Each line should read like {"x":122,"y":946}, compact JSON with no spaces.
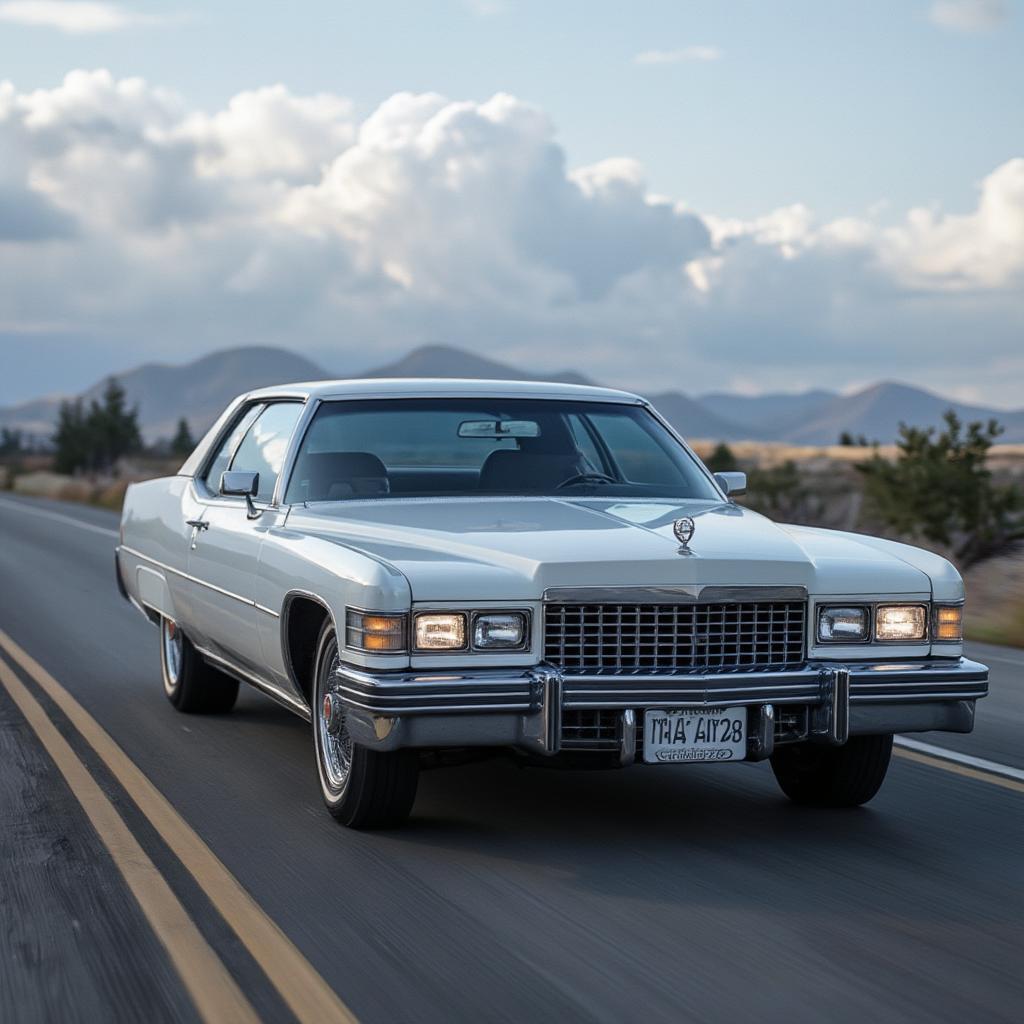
{"x":525,"y":709}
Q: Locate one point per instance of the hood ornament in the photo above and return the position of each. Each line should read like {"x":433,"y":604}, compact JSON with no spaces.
{"x":683,"y":529}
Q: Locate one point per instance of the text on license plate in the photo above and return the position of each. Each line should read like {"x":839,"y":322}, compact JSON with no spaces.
{"x":704,"y":734}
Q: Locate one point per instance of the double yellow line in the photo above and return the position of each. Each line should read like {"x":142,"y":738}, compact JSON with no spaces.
{"x":215,"y":993}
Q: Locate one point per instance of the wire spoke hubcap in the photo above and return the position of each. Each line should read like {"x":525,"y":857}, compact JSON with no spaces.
{"x":172,"y":650}
{"x":335,"y":741}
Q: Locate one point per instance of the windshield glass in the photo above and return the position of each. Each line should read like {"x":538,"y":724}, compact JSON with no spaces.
{"x":437,"y":447}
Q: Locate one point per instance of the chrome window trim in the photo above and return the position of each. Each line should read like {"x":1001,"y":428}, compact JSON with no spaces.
{"x":206,"y":494}
{"x":199,"y":478}
{"x":689,"y":451}
{"x":298,"y":435}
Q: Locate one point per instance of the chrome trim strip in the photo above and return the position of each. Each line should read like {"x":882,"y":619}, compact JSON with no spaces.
{"x":195,"y":579}
{"x":261,"y":684}
{"x":671,"y":595}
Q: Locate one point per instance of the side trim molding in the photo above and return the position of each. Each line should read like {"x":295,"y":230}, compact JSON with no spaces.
{"x":202,"y":583}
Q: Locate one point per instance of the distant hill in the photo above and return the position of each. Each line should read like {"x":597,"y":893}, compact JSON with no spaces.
{"x":771,"y":413}
{"x":877,"y":411}
{"x":694,"y":419}
{"x":200,"y":390}
{"x":447,"y":361}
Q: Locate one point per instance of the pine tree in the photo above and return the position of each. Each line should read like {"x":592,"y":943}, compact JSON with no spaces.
{"x":941,"y":490}
{"x":71,"y":438}
{"x":182,"y":442}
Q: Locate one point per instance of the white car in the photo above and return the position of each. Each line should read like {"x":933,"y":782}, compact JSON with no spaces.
{"x":425,"y":566}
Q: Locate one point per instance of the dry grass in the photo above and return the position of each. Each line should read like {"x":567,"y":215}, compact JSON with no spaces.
{"x":105,"y":493}
{"x":766,"y":454}
{"x":995,"y":600}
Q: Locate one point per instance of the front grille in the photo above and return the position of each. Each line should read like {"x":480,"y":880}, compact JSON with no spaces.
{"x":591,"y":730}
{"x":670,"y":639}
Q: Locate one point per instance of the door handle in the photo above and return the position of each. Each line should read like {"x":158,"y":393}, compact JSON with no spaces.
{"x":197,"y":524}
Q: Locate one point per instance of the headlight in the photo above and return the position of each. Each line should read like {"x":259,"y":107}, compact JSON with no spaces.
{"x":844,"y":624}
{"x":901,"y":622}
{"x":369,"y":631}
{"x":949,"y":622}
{"x":440,"y":632}
{"x":502,"y":630}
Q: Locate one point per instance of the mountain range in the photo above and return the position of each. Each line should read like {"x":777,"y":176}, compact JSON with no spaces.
{"x":199,"y":390}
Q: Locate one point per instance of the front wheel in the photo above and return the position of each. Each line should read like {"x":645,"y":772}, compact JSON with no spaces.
{"x":190,"y":683}
{"x":362,"y":788}
{"x":821,"y":776}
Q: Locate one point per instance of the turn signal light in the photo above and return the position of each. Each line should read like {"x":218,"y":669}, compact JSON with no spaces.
{"x":370,"y":631}
{"x":949,"y":622}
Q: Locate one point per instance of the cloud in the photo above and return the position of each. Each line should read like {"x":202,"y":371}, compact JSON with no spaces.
{"x":969,"y":15}
{"x":687,"y":53}
{"x":130,"y":218}
{"x":76,"y":17}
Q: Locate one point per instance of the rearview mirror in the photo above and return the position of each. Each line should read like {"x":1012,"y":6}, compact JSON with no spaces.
{"x":499,"y":429}
{"x":732,"y":483}
{"x":239,"y":484}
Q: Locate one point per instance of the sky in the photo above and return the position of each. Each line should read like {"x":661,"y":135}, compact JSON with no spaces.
{"x":760,"y":195}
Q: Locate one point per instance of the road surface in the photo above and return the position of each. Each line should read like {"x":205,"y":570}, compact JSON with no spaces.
{"x":186,"y":871}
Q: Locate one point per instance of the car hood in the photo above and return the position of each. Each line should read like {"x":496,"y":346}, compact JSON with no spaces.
{"x":513,"y":549}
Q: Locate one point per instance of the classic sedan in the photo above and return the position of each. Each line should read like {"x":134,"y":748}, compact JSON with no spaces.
{"x":424,"y":568}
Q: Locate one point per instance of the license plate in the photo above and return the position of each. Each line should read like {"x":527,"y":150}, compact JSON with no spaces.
{"x":705,"y":734}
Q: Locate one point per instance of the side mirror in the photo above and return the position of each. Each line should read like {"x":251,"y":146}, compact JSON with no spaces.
{"x":732,"y":483}
{"x":239,"y":484}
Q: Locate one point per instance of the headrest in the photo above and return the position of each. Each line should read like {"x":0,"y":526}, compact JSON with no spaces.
{"x":340,"y":474}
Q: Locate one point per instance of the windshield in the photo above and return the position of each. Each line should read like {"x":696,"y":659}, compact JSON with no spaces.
{"x":441,"y":447}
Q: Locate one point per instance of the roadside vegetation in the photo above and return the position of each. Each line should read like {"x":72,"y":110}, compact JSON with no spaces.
{"x":95,"y":451}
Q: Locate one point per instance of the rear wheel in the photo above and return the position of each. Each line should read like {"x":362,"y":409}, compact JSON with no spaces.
{"x":361,"y":788}
{"x":190,"y":683}
{"x":821,"y":776}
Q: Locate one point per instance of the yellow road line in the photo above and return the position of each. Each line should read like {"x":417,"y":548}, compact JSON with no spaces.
{"x":213,"y":991}
{"x":308,"y":996}
{"x":959,"y":769}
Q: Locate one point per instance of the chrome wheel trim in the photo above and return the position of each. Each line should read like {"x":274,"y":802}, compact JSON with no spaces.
{"x":335,"y":744}
{"x":173,"y":652}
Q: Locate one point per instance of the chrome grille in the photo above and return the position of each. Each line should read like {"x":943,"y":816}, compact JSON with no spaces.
{"x":667,"y":639}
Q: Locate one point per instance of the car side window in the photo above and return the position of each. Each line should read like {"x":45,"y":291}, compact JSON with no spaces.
{"x":265,"y":445}
{"x":222,"y":459}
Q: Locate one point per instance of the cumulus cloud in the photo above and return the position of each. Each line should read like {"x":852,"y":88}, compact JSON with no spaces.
{"x":127,"y":216}
{"x":686,"y":53}
{"x":76,"y":17}
{"x":969,"y":15}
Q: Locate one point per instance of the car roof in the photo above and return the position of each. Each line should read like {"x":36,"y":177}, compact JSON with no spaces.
{"x":443,"y":387}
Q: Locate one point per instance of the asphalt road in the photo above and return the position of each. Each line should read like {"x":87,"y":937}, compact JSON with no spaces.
{"x":691,"y":893}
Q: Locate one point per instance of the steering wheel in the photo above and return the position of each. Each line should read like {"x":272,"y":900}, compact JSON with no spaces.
{"x":583,"y":478}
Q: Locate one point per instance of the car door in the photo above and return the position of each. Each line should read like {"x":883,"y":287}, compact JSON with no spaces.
{"x":224,"y":555}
